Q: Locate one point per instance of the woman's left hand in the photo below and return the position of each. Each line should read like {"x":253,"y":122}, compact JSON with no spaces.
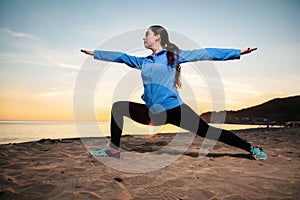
{"x":249,"y":50}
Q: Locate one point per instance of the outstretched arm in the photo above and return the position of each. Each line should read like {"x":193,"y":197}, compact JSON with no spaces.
{"x":215,"y":54}
{"x":113,"y":56}
{"x":212,"y":54}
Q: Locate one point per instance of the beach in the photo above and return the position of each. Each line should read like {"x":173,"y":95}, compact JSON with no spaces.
{"x":63,"y":169}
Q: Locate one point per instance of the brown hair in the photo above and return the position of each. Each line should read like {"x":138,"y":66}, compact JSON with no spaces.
{"x":172,"y":51}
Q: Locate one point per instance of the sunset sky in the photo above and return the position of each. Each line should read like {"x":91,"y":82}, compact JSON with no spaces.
{"x":40,"y":44}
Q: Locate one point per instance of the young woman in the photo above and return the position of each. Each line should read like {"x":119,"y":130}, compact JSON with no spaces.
{"x":161,"y":78}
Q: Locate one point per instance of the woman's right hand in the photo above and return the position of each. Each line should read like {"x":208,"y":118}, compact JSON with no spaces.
{"x":87,"y":52}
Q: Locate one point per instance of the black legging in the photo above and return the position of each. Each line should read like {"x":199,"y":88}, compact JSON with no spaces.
{"x":182,"y":116}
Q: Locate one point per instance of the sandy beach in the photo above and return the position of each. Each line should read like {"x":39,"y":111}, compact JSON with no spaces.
{"x":62,"y":169}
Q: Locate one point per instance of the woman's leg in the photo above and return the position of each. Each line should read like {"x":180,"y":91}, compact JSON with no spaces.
{"x":186,"y":118}
{"x":135,"y":111}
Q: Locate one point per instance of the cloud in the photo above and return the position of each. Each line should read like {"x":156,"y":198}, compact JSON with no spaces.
{"x":39,"y":59}
{"x":12,"y":33}
{"x":239,"y":88}
{"x":71,"y":66}
{"x":35,"y":52}
{"x":63,"y":91}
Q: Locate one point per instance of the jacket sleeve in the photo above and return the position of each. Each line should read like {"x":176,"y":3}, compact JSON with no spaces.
{"x":119,"y":57}
{"x":208,"y":54}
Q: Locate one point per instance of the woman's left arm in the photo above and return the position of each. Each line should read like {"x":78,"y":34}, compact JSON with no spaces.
{"x":216,"y":54}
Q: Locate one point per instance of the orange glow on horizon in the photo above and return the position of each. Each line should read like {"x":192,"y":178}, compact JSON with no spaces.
{"x":28,"y":110}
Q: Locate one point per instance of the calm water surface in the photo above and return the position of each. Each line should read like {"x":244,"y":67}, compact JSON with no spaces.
{"x":24,"y":131}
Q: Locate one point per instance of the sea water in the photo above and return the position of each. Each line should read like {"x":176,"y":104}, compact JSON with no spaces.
{"x":25,"y":131}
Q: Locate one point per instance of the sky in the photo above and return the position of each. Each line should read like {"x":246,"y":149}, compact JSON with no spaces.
{"x":40,"y":44}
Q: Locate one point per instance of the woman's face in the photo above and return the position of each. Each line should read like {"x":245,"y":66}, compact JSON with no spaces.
{"x":150,"y":39}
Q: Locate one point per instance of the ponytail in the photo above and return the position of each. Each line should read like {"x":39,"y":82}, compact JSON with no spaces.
{"x":173,"y":57}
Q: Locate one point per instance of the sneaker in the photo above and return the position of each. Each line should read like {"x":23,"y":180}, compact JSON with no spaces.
{"x":100,"y":153}
{"x":257,"y":152}
{"x":113,"y":152}
{"x":106,"y":152}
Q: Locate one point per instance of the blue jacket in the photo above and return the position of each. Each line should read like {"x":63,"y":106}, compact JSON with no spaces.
{"x":158,"y":76}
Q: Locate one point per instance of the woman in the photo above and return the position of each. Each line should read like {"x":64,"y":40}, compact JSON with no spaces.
{"x":161,"y":77}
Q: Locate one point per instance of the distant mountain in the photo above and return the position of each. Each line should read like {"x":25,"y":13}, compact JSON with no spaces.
{"x":276,"y":111}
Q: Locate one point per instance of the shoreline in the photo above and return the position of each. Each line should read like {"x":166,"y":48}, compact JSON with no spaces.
{"x":146,"y":135}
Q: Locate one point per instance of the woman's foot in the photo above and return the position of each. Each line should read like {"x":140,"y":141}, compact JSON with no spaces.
{"x":258,"y":153}
{"x":111,"y":152}
{"x":99,"y":153}
{"x":106,"y":152}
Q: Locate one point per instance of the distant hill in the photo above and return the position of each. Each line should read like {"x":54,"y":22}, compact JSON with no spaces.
{"x":275,"y":111}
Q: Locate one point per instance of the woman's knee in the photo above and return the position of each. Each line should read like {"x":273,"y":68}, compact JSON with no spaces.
{"x":120,"y":107}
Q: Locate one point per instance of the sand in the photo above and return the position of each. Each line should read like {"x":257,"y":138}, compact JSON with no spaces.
{"x":62,"y":169}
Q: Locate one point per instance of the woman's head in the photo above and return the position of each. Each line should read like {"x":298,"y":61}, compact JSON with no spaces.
{"x":156,"y":36}
{"x":163,"y":34}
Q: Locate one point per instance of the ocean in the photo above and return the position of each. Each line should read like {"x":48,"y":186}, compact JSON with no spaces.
{"x":25,"y":131}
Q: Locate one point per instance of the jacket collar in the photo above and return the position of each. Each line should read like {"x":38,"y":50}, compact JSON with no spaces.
{"x":157,"y":54}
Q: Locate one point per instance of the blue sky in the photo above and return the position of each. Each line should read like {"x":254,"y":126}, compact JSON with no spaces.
{"x":40,"y":43}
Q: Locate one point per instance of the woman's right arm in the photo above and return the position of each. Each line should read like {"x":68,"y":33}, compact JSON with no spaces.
{"x":118,"y":57}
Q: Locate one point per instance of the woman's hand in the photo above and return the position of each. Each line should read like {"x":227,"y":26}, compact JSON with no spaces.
{"x":87,"y":52}
{"x":246,"y":51}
